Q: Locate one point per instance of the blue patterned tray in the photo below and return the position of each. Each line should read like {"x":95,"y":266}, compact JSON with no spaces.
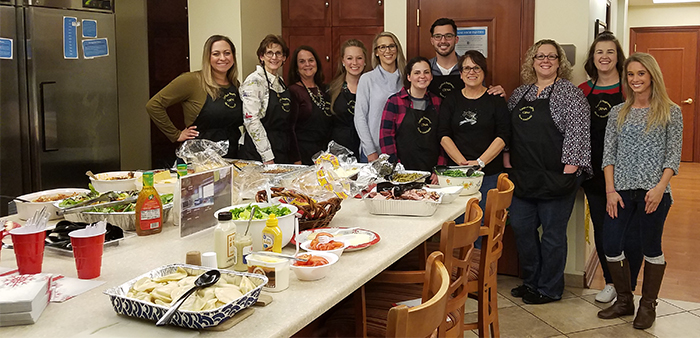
{"x":190,"y":319}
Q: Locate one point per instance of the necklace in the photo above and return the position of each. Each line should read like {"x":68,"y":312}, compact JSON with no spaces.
{"x":319,"y":100}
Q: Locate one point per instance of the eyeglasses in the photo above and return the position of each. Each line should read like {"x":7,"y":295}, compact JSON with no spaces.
{"x":467,"y":69}
{"x":550,"y":57}
{"x":448,"y":36}
{"x":383,"y":48}
{"x":270,"y":54}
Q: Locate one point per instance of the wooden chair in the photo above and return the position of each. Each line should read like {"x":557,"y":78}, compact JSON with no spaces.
{"x":392,"y":286}
{"x":482,"y":283}
{"x":425,"y":319}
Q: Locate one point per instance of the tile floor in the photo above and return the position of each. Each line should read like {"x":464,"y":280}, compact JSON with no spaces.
{"x":575,"y":316}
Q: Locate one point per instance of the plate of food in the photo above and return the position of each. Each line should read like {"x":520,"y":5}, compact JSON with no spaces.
{"x":356,"y":238}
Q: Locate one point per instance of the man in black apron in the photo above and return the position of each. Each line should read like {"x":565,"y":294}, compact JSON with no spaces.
{"x":444,"y":38}
{"x":221,"y":119}
{"x":278,"y":123}
{"x":543,"y":195}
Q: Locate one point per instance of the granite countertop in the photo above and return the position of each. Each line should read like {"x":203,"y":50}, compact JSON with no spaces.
{"x":291,"y":309}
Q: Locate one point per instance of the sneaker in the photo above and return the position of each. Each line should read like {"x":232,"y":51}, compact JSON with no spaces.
{"x":606,"y":295}
{"x":521,"y":291}
{"x":537,"y":298}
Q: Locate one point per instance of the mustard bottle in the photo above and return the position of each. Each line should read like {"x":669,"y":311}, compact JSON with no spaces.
{"x":272,"y":235}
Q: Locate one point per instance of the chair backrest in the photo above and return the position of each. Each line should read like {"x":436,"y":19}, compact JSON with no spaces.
{"x":424,"y":319}
{"x":495,"y":216}
{"x":457,"y":243}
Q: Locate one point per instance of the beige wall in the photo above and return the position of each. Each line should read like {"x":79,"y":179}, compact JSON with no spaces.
{"x":132,"y":84}
{"x":395,"y":13}
{"x":664,"y":15}
{"x":259,"y":18}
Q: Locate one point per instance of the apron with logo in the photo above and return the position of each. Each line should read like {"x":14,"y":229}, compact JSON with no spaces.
{"x":313,"y":134}
{"x":443,"y":85}
{"x":220,"y":119}
{"x":344,"y":132}
{"x":417,"y":144}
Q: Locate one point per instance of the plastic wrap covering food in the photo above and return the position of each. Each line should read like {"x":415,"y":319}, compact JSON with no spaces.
{"x":203,"y":154}
{"x":249,"y":181}
{"x":339,"y":172}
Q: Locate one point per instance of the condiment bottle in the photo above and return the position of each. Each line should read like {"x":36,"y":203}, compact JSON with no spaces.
{"x":272,"y":235}
{"x":224,"y":239}
{"x":244,"y":246}
{"x":181,"y":169}
{"x":149,"y":208}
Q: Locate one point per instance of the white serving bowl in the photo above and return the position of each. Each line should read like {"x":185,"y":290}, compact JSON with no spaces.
{"x":309,"y":273}
{"x":286,"y":224}
{"x":338,"y":252}
{"x":102,"y":184}
{"x":161,"y":188}
{"x":471,"y":184}
{"x":449,"y":194}
{"x":26,"y":210}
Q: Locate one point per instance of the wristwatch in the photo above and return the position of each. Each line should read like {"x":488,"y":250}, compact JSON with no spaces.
{"x":481,"y":163}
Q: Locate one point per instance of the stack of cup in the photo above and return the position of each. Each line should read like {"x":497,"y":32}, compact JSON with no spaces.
{"x":28,"y":243}
{"x":88,"y":245}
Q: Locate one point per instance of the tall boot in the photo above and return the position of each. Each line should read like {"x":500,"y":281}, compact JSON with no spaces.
{"x":624,"y":305}
{"x":653,"y":275}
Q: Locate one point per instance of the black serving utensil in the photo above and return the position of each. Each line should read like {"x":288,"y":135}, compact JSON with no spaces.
{"x":206,"y":279}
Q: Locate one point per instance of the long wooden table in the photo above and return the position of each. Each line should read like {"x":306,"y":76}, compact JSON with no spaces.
{"x":291,"y":309}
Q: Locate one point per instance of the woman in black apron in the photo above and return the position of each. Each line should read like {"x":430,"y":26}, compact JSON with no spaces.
{"x":550,"y":150}
{"x":268,"y":118}
{"x":209,"y":97}
{"x":604,"y":91}
{"x":352,"y":64}
{"x":409,"y":126}
{"x":310,"y":104}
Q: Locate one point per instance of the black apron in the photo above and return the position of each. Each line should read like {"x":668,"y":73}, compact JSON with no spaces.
{"x":220,"y":120}
{"x":314,"y":133}
{"x":344,"y":132}
{"x":536,"y":151}
{"x":443,"y":85}
{"x":601,"y":104}
{"x":417,"y":144}
{"x":278,"y":126}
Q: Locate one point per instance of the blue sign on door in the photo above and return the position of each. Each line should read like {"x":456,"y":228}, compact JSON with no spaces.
{"x":70,"y":37}
{"x":5,"y":48}
{"x":89,"y":28}
{"x":95,"y":48}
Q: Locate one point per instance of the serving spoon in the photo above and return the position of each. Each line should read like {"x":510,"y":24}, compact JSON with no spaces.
{"x":207,"y":279}
{"x":91,"y":175}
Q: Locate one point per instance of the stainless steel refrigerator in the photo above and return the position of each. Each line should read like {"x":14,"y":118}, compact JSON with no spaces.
{"x":58,"y":93}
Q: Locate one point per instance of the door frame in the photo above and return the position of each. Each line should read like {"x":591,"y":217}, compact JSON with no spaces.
{"x":674,"y":29}
{"x":527,"y":32}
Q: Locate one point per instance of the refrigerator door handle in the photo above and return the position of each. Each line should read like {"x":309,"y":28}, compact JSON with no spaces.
{"x":48,"y":116}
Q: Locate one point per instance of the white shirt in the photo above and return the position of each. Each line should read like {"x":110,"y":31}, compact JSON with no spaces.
{"x":255,"y":94}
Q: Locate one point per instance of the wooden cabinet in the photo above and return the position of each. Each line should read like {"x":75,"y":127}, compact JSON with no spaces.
{"x":326,"y":24}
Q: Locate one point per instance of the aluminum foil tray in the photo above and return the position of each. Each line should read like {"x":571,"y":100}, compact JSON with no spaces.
{"x":401,"y":207}
{"x":189,"y":319}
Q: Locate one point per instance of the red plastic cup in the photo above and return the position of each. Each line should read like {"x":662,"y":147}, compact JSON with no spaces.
{"x":29,"y":250}
{"x":87,"y":250}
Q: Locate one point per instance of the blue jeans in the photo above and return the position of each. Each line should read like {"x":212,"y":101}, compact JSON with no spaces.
{"x":542,"y":259}
{"x":596,"y":205}
{"x":651,"y":226}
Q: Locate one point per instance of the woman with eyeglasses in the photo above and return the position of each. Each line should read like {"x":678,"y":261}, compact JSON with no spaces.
{"x":604,"y":91}
{"x":475,"y":126}
{"x":643,"y":142}
{"x":342,"y":90}
{"x":268,"y":118}
{"x":209,"y":98}
{"x":310,"y":103}
{"x":550,"y":152}
{"x":374,"y":88}
{"x":409,"y":128}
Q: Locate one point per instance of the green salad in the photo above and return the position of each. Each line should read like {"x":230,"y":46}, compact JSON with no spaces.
{"x":460,"y":173}
{"x":243,"y":213}
{"x":165,"y":199}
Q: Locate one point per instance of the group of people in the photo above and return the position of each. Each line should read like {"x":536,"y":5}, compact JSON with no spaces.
{"x":618,"y":135}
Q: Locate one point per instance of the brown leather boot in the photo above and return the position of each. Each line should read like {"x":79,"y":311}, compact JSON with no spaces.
{"x":624,"y":304}
{"x":646,"y":315}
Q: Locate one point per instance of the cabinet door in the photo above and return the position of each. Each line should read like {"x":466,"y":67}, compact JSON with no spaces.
{"x":364,"y":34}
{"x":358,"y":13}
{"x":306,"y":13}
{"x":318,"y":38}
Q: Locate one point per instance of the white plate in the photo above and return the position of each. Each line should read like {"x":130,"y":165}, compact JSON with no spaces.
{"x":373,"y":236}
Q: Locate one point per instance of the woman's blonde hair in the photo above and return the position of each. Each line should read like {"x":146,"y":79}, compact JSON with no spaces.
{"x":527,"y":73}
{"x":400,"y":58}
{"x":336,"y":84}
{"x":210,"y":86}
{"x":659,"y":102}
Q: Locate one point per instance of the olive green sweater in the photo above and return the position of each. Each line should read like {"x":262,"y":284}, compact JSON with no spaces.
{"x":185,"y":89}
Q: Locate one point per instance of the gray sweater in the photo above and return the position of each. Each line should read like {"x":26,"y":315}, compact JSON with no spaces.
{"x":373,"y":90}
{"x":640,"y":157}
